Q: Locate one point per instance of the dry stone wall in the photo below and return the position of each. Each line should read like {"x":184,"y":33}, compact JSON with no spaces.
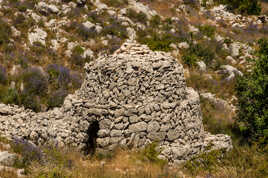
{"x":131,"y":98}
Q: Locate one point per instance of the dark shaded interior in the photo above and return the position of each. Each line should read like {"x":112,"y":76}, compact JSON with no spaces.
{"x":92,"y":132}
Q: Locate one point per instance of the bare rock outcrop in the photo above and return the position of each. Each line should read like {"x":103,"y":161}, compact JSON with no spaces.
{"x":131,"y":98}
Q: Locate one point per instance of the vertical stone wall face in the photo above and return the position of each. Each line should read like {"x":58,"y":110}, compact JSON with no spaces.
{"x":136,"y":96}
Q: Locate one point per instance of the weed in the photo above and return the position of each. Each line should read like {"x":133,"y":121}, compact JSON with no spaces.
{"x":28,"y":151}
{"x":3,"y":76}
{"x":198,"y":52}
{"x":116,"y":3}
{"x":136,"y":17}
{"x":207,"y":30}
{"x":114,"y":28}
{"x":56,"y":98}
{"x":5,"y":32}
{"x":150,"y":153}
{"x":35,"y":82}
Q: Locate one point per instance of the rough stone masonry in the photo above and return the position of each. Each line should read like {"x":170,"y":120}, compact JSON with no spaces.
{"x":131,"y":98}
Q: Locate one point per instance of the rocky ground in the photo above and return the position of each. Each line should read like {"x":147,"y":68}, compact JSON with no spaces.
{"x":52,"y":40}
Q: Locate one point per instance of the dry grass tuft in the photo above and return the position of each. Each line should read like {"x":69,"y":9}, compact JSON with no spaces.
{"x":7,"y":174}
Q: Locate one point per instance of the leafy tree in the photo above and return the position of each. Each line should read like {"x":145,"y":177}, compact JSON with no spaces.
{"x":250,"y":7}
{"x":252,"y":92}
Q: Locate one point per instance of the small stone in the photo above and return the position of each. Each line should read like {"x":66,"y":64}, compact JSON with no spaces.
{"x":138,"y":127}
{"x":7,"y":159}
{"x":183,"y":45}
{"x":116,"y":133}
{"x":153,"y":126}
{"x":156,"y":136}
{"x":202,"y":66}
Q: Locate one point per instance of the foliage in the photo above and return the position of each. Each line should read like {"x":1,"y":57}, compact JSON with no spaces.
{"x":216,"y":118}
{"x":155,"y":21}
{"x":10,"y":96}
{"x":3,"y":77}
{"x":136,"y":17}
{"x":5,"y":32}
{"x":241,"y":161}
{"x":190,"y":59}
{"x":28,"y":152}
{"x":116,"y":3}
{"x":193,"y":3}
{"x":35,"y":81}
{"x":250,"y":7}
{"x":56,"y":99}
{"x":114,"y":28}
{"x":157,"y":42}
{"x":150,"y":153}
{"x":198,"y":52}
{"x":252,"y":92}
{"x":207,"y":30}
{"x":83,"y":31}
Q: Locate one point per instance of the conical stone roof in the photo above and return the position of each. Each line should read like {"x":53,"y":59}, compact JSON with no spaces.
{"x":133,"y":97}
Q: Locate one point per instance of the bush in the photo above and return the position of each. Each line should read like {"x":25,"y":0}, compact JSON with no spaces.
{"x":28,"y":152}
{"x":10,"y":96}
{"x":189,"y":59}
{"x":57,"y":98}
{"x":83,"y":31}
{"x":58,"y":76}
{"x":35,"y":82}
{"x":77,"y":60}
{"x":252,"y":92}
{"x":5,"y":32}
{"x":198,"y":52}
{"x":193,"y":3}
{"x":114,"y":28}
{"x":116,"y":3}
{"x":157,"y":42}
{"x":136,"y":17}
{"x":3,"y":77}
{"x":150,"y":153}
{"x":241,"y":161}
{"x":250,"y":7}
{"x":208,"y":30}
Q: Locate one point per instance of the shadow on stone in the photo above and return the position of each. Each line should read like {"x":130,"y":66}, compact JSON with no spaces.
{"x":92,"y":133}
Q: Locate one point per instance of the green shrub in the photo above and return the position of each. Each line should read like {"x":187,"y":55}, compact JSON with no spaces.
{"x":35,"y":82}
{"x":156,"y":42}
{"x":250,"y":7}
{"x":116,"y":3}
{"x":204,"y":162}
{"x":190,"y":59}
{"x":198,"y":52}
{"x":242,"y":161}
{"x":10,"y":96}
{"x":207,"y":30}
{"x":3,"y":76}
{"x":114,"y":28}
{"x":136,"y":17}
{"x":155,"y":21}
{"x":150,"y":153}
{"x":252,"y":93}
{"x":5,"y":32}
{"x":56,"y":99}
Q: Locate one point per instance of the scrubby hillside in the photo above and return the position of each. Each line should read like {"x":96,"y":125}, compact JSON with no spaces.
{"x":44,"y":45}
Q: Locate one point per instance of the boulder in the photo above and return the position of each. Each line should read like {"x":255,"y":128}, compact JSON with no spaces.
{"x":7,"y":159}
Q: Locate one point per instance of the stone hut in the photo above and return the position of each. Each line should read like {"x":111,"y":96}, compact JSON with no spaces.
{"x":131,"y":98}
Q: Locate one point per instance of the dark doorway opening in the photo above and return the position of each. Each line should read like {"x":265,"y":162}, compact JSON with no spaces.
{"x":92,"y":133}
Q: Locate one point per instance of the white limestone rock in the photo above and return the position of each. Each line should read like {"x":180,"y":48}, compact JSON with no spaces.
{"x":38,"y":35}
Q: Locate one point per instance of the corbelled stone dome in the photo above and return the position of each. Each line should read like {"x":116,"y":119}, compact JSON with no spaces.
{"x":131,"y":98}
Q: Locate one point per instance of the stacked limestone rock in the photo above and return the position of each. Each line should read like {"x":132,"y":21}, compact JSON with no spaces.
{"x":132,"y":98}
